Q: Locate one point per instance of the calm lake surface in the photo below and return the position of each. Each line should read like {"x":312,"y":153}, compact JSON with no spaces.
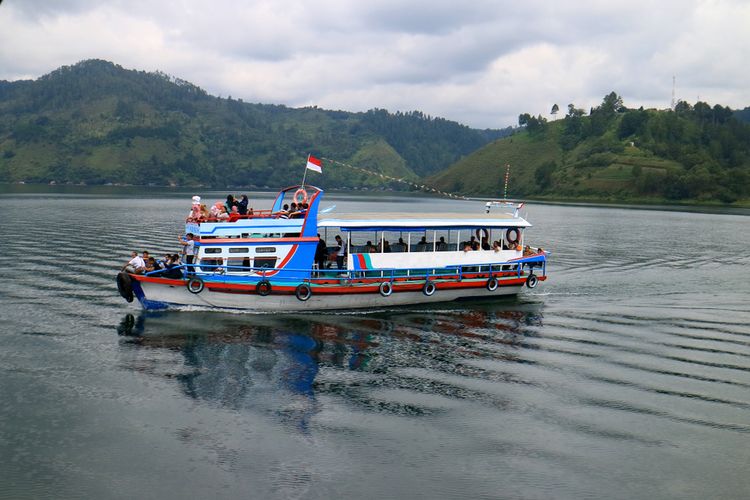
{"x":625,"y":375}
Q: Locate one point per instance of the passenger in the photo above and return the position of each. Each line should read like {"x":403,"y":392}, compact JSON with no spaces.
{"x":340,"y":252}
{"x":151,"y":265}
{"x":283,"y":213}
{"x":223,"y":215}
{"x":135,"y":265}
{"x":442,"y":246}
{"x":171,"y":268}
{"x":146,"y":256}
{"x":527,"y":250}
{"x":215,"y":210}
{"x":205,"y":214}
{"x":195,"y":213}
{"x":189,"y":244}
{"x":242,"y":205}
{"x":386,"y":247}
{"x":496,"y":246}
{"x":467,"y":247}
{"x":321,"y":253}
{"x":422,"y":245}
{"x":235,"y":214}
{"x":370,"y":248}
{"x":485,"y":243}
{"x":229,"y":203}
{"x":401,"y":245}
{"x":474,"y":243}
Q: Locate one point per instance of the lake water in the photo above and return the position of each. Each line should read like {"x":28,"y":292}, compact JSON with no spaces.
{"x":625,"y":375}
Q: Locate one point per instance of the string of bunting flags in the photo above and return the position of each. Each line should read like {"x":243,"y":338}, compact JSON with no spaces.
{"x":402,"y":181}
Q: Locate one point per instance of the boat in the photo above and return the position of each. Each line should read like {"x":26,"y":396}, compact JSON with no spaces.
{"x":265,"y":261}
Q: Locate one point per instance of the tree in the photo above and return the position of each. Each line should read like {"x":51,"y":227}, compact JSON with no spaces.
{"x":523,"y":119}
{"x":555,"y":109}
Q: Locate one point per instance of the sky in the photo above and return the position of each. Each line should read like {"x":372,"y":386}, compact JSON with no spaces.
{"x":478,"y":62}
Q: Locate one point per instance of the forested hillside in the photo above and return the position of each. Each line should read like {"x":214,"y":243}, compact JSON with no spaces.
{"x":97,"y":123}
{"x":694,"y":153}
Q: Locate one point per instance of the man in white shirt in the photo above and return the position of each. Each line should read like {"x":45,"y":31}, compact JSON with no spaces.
{"x":135,"y":265}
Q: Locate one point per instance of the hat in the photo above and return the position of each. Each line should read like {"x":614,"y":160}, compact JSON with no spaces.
{"x":196,"y":200}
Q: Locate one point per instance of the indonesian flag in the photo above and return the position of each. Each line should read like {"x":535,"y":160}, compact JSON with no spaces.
{"x":314,"y":164}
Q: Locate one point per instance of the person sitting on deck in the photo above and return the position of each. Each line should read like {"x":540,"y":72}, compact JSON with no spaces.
{"x":485,"y":243}
{"x":135,"y":265}
{"x":401,"y":245}
{"x":235,"y":214}
{"x":369,"y":247}
{"x":496,"y":246}
{"x":474,"y":243}
{"x":152,"y":265}
{"x":223,"y":215}
{"x":442,"y":246}
{"x":386,"y":247}
{"x":283,"y":213}
{"x":422,"y":245}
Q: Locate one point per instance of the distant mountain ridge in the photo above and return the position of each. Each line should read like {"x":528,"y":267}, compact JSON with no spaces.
{"x":95,"y":122}
{"x":694,"y":153}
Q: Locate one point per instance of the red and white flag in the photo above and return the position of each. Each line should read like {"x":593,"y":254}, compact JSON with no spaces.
{"x":314,"y":164}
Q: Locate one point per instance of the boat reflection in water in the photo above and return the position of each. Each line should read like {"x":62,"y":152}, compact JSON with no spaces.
{"x":283,"y":365}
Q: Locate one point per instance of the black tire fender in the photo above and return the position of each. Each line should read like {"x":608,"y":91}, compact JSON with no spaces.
{"x":429,"y":288}
{"x":195,"y":285}
{"x":492,"y":284}
{"x":302,"y":292}
{"x":386,"y":288}
{"x":125,"y":286}
{"x":263,"y":288}
{"x":532,"y":280}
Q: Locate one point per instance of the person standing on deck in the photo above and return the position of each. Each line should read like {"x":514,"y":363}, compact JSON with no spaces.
{"x":340,"y":252}
{"x":189,"y":244}
{"x":321,"y":254}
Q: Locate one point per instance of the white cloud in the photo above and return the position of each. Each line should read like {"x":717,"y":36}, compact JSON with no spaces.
{"x":480,"y":63}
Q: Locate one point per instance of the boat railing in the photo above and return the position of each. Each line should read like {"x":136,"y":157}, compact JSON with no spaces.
{"x":240,"y":274}
{"x":256,"y":214}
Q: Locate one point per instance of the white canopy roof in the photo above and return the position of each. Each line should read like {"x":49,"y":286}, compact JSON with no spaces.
{"x":415,"y":221}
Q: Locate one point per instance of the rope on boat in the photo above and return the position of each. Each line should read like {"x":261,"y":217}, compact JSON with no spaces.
{"x":401,"y":180}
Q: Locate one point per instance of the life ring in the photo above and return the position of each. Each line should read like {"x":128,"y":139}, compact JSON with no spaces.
{"x":263,"y":288}
{"x":195,"y":285}
{"x":429,"y":288}
{"x":125,"y":286}
{"x":300,"y":192}
{"x":492,"y":284}
{"x":484,"y":232}
{"x":531,"y":281}
{"x":386,"y":288}
{"x":513,"y":242}
{"x":303,"y":291}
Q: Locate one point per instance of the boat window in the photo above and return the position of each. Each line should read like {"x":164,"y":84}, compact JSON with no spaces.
{"x":365,"y":242}
{"x":236,"y":264}
{"x":265,"y":250}
{"x":443,"y":240}
{"x":212,"y":250}
{"x":209,"y":265}
{"x":239,"y":250}
{"x":264,"y":262}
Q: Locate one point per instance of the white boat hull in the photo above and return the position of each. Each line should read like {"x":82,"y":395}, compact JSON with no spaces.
{"x":158,"y":295}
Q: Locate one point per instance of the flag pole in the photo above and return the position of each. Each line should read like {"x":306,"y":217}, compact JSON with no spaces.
{"x":304,"y":176}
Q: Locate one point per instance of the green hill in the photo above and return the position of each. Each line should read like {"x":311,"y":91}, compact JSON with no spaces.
{"x":692,"y":154}
{"x":97,"y":123}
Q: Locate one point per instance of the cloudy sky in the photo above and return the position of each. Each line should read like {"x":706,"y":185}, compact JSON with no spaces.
{"x":479,"y":62}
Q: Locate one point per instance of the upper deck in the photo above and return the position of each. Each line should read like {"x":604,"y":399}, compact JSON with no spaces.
{"x":419,"y":221}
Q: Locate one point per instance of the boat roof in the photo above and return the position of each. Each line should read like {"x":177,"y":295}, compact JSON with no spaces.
{"x":419,"y":221}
